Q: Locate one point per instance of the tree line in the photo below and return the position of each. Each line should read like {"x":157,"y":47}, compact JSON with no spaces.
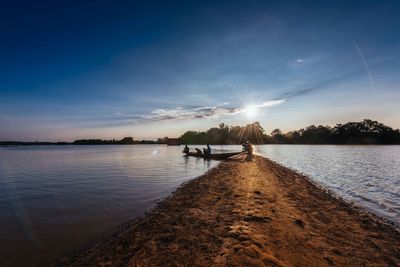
{"x":363,"y":132}
{"x":123,"y":141}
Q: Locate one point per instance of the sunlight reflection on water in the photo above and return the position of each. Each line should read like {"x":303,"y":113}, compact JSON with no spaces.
{"x":55,"y":198}
{"x":366,"y":175}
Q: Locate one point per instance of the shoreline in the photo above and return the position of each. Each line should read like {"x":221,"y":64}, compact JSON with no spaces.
{"x":336,"y":196}
{"x":248,"y":213}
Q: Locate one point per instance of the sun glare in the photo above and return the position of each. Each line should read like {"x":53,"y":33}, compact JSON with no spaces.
{"x":250,"y":111}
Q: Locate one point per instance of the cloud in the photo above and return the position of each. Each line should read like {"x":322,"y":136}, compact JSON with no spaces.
{"x":188,"y":113}
{"x":269,"y":103}
{"x":202,"y":112}
{"x":298,"y":62}
{"x":178,"y":113}
{"x":319,"y":86}
{"x":364,"y":61}
{"x":301,"y":91}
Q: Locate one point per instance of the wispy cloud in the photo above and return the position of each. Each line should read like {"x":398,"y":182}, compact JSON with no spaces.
{"x":203,"y":112}
{"x":188,"y":113}
{"x":179,"y":113}
{"x":171,"y":114}
{"x":371,"y":81}
{"x":298,"y":62}
{"x":269,"y":103}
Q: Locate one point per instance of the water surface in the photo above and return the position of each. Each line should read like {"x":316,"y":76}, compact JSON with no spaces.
{"x":366,"y":175}
{"x":56,"y":198}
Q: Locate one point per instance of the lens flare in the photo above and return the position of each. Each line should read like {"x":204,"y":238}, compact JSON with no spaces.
{"x":250,"y":111}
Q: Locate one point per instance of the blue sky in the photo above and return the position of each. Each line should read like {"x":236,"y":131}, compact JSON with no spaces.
{"x":110,"y":69}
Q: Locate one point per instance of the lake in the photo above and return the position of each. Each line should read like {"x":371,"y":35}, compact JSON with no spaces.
{"x":366,"y":175}
{"x":53,"y":199}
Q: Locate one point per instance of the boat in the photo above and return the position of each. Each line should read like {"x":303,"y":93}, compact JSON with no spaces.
{"x":219,"y":156}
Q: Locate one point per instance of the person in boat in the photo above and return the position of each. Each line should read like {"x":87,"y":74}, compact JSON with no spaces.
{"x":186,"y":149}
{"x":198,"y":151}
{"x":207,"y":150}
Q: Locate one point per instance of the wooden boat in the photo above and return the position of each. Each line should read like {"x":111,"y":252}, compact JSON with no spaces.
{"x":219,"y":156}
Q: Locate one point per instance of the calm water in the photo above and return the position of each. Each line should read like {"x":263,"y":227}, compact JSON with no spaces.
{"x":366,"y":175}
{"x":55,"y":198}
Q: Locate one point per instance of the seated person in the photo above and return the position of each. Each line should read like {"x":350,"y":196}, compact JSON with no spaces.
{"x":247,"y":147}
{"x":208,"y":150}
{"x":198,"y":151}
{"x":244,"y":147}
{"x":186,"y":149}
{"x":250,"y":150}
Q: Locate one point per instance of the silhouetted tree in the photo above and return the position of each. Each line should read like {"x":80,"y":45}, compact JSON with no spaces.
{"x":364,"y":132}
{"x":277,"y":137}
{"x":126,"y":140}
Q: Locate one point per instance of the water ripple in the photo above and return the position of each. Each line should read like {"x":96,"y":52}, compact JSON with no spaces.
{"x":366,"y":175}
{"x":53,"y":199}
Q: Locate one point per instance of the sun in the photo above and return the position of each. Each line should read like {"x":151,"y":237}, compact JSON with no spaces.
{"x":250,"y":111}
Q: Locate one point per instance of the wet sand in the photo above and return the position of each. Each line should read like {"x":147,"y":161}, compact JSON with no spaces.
{"x":244,"y":213}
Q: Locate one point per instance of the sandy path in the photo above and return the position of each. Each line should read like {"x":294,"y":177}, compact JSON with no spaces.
{"x":249,"y":214}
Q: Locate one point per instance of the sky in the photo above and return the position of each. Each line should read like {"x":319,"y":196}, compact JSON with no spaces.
{"x":149,"y":69}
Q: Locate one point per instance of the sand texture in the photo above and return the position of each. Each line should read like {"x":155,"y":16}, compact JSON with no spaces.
{"x":245,"y":213}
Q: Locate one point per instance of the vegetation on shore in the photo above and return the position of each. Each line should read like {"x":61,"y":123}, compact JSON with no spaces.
{"x":363,"y":132}
{"x":123,"y":141}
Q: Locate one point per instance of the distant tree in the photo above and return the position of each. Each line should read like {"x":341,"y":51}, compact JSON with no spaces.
{"x":364,"y":132}
{"x":293,"y":137}
{"x":127,"y":140}
{"x":162,"y":140}
{"x":190,"y":137}
{"x":89,"y":142}
{"x":254,"y":133}
{"x":316,"y":134}
{"x":276,"y":132}
{"x":213,"y":136}
{"x":277,"y":137}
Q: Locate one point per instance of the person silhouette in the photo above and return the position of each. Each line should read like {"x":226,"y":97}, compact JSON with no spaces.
{"x":186,"y":149}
